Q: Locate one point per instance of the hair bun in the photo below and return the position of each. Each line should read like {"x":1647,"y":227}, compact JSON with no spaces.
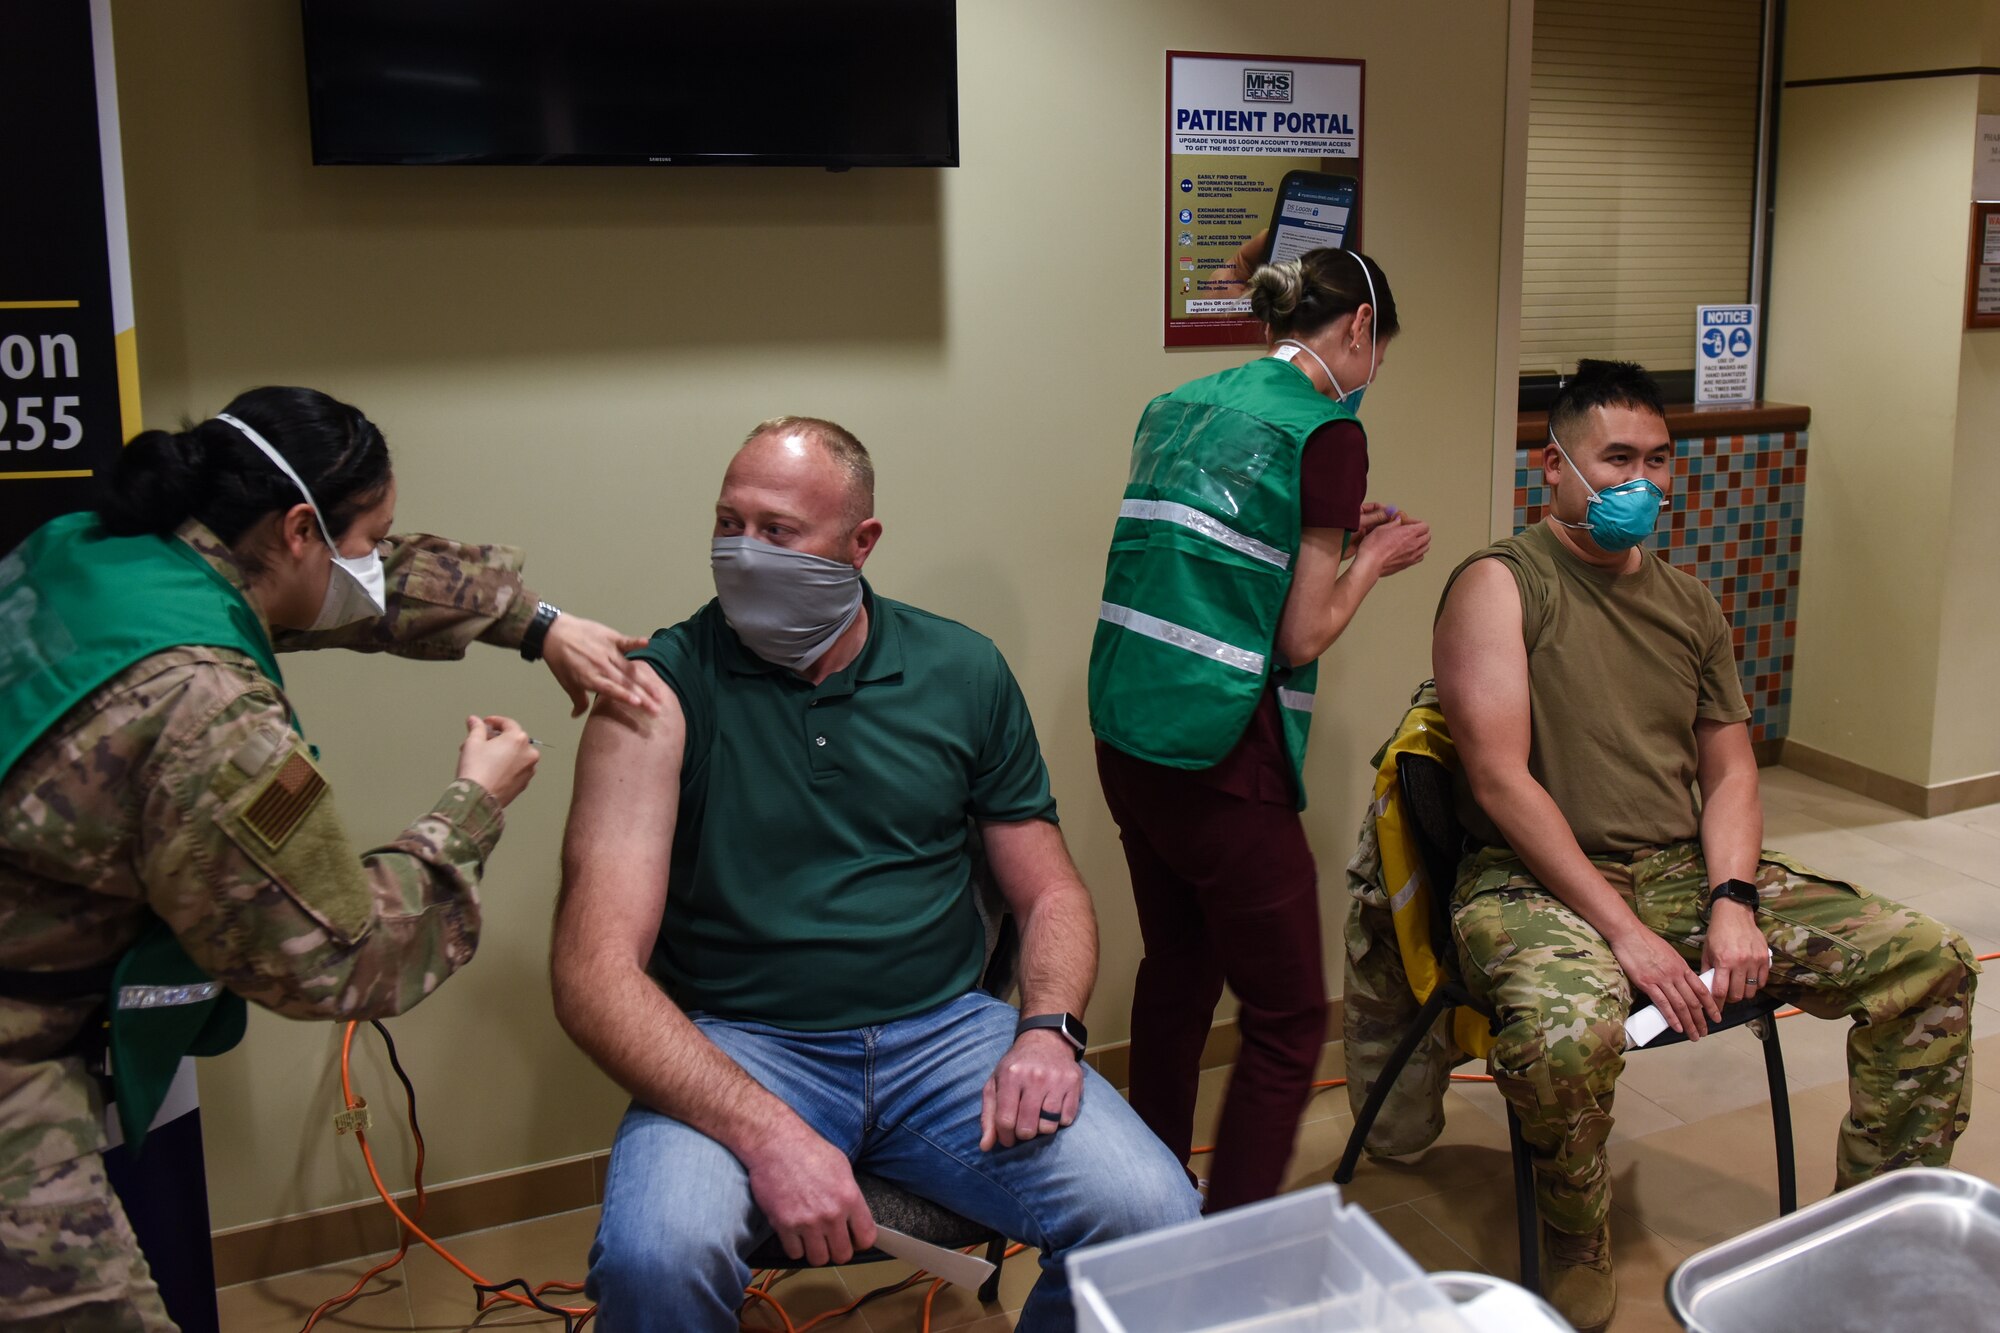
{"x":153,"y":483}
{"x":1276,"y":290}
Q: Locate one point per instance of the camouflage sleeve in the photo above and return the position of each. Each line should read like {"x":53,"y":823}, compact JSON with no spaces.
{"x":442,"y":596}
{"x":244,"y":855}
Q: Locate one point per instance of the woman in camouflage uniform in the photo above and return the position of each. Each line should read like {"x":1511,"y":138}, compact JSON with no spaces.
{"x":157,"y":798}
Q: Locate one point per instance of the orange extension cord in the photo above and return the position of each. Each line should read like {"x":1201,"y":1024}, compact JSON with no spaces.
{"x":759,"y":1289}
{"x":410,"y":1228}
{"x":573,"y":1318}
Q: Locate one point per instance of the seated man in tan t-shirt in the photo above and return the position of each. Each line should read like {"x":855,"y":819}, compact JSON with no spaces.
{"x":1590,"y":688}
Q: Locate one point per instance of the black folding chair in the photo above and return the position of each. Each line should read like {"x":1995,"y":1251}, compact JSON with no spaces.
{"x":1429,"y":807}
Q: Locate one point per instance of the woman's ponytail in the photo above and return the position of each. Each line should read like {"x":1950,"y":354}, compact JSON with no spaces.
{"x":153,"y":483}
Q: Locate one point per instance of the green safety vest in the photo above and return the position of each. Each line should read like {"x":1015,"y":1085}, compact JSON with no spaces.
{"x":77,"y":607}
{"x":1200,"y":564}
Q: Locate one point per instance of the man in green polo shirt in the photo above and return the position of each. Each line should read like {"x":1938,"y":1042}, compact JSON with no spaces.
{"x":767,"y":932}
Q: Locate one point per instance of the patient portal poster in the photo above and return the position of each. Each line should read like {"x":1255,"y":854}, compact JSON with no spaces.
{"x":1236,"y":126}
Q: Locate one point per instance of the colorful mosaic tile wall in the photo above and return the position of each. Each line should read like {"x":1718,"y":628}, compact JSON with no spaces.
{"x":1738,"y":512}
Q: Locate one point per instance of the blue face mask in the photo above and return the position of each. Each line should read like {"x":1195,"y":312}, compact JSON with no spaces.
{"x":1619,"y":517}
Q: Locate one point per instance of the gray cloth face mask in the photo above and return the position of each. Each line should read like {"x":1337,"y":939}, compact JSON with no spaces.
{"x":788,"y":607}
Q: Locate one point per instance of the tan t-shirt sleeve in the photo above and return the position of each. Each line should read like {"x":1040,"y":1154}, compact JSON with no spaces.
{"x":1721,"y":697}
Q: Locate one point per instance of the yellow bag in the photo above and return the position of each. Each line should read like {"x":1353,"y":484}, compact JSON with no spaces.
{"x":1404,"y":878}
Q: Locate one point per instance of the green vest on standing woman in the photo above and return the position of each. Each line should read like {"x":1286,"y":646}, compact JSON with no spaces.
{"x":77,"y":607}
{"x":1201,"y":562}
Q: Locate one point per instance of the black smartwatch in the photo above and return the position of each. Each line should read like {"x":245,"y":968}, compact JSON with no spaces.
{"x":1068,"y":1026}
{"x":1735,"y":891}
{"x":538,"y":630}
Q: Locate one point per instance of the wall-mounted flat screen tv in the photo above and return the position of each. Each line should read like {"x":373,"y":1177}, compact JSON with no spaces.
{"x":832,"y":83}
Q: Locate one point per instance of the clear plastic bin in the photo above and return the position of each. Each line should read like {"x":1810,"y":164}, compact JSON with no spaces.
{"x":1301,"y":1263}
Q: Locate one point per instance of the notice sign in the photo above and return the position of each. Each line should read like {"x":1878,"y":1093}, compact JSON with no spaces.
{"x":1235,"y":126}
{"x":1725,"y":361}
{"x":1986,"y":161}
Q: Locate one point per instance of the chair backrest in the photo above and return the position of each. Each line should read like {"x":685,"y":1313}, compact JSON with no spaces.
{"x":1432,"y":811}
{"x":1003,"y":944}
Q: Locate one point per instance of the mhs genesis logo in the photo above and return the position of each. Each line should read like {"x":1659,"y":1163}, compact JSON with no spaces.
{"x":1267,"y":85}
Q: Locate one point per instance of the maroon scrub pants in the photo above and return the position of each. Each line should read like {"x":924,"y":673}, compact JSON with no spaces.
{"x":1226,"y":892}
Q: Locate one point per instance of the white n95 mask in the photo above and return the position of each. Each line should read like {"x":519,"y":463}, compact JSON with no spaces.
{"x":356,"y":587}
{"x":788,"y":607}
{"x":1351,"y":397}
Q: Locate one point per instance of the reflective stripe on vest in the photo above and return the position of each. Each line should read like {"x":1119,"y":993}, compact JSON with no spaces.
{"x":1180,"y":636}
{"x":163,"y":997}
{"x":1201,"y":562}
{"x":1166,"y":511}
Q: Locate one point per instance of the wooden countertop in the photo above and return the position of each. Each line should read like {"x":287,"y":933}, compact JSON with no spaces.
{"x":1685,"y":420}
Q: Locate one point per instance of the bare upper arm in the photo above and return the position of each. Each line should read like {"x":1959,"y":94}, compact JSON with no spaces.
{"x":1029,"y":860}
{"x":618,"y":844}
{"x":1480,"y":660}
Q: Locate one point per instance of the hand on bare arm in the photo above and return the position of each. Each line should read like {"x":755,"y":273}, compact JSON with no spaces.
{"x":1040,"y":1071}
{"x":617,"y":853}
{"x":1481,"y":663}
{"x":587,"y":658}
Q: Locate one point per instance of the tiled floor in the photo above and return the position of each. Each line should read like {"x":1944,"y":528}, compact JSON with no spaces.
{"x":1691,"y":1153}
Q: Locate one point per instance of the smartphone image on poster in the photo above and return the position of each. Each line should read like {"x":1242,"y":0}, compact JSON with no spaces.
{"x":1311,"y":212}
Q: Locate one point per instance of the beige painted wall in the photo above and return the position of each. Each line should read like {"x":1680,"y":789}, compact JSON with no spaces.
{"x":563,"y":359}
{"x":1867,"y":326}
{"x":1967,"y":724}
{"x":1867,"y":287}
{"x":1967,"y":721}
{"x":1833,"y":39}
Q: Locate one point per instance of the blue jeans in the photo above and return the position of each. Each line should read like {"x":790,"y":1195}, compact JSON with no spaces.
{"x":902,"y":1101}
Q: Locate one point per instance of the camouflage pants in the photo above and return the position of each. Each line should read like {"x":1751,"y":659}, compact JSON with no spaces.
{"x":1903,"y":979}
{"x":68,"y":1260}
{"x":1376,"y":1009}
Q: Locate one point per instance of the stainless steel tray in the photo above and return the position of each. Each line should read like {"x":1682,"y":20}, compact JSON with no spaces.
{"x":1918,"y":1248}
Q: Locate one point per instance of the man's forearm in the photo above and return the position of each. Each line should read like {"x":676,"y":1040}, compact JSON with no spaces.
{"x":1058,"y":952}
{"x":640,"y":1037}
{"x":1534,"y":827}
{"x":1732,"y":811}
{"x":1732,"y":836}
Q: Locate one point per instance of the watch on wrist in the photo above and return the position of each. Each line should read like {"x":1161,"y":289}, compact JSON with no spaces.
{"x":1736,"y":891}
{"x":1068,"y":1026}
{"x":538,"y":630}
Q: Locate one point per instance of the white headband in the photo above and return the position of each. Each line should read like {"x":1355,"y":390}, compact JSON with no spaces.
{"x":1371,"y":282}
{"x":284,"y":467}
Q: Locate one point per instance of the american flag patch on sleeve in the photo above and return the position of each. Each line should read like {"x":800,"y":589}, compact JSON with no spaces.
{"x":285,"y":801}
